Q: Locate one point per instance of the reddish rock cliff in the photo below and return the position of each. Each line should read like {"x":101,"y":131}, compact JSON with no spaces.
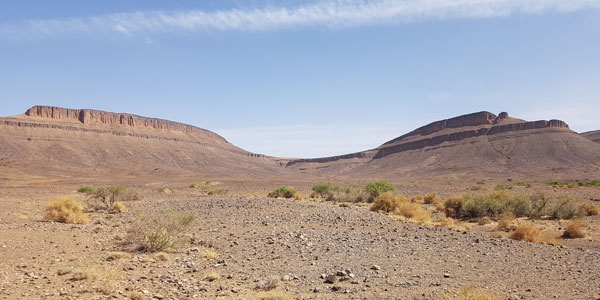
{"x":90,"y":116}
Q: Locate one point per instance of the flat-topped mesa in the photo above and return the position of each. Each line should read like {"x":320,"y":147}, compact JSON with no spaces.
{"x":90,"y":116}
{"x":474,"y":119}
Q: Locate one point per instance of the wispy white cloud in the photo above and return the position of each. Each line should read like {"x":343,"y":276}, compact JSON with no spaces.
{"x":332,"y":14}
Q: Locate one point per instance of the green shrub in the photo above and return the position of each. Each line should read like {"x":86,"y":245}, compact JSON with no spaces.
{"x":481,"y":182}
{"x":539,"y":206}
{"x":160,"y":231}
{"x":375,"y":188}
{"x":283,"y":192}
{"x":488,"y":205}
{"x":565,"y":208}
{"x":109,"y":195}
{"x":85,"y":189}
{"x":324,"y":189}
{"x":589,"y":183}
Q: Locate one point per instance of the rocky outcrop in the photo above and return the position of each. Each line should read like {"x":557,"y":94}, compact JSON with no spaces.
{"x":90,"y":116}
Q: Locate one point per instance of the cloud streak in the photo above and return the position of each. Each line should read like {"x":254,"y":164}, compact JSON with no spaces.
{"x":338,"y":14}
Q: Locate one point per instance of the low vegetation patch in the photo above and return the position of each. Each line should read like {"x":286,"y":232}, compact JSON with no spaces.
{"x":527,"y":233}
{"x":160,"y":232}
{"x":376,"y":188}
{"x":283,"y":192}
{"x":401,"y":206}
{"x":565,"y":208}
{"x":66,"y":210}
{"x":575,"y":229}
{"x":116,"y":193}
{"x":492,"y":205}
{"x":85,"y":189}
{"x":530,"y":233}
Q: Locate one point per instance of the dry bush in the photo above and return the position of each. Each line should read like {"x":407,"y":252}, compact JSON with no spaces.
{"x":505,"y":220}
{"x":109,"y":195}
{"x":588,"y":209}
{"x":432,"y":198}
{"x":575,"y":229}
{"x":118,"y":207}
{"x":66,"y":210}
{"x":160,"y":231}
{"x":387,"y":202}
{"x":527,"y":233}
{"x":413,"y":211}
{"x":216,"y":192}
{"x":271,"y":295}
{"x":450,"y":223}
{"x":453,"y":206}
{"x":400,"y":205}
{"x":104,"y":279}
{"x":417,"y":199}
{"x":471,"y":294}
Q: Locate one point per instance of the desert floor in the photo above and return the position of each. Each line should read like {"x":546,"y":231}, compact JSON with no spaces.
{"x":255,"y":243}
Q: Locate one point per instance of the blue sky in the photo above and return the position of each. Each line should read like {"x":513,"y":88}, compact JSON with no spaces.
{"x":305,"y":78}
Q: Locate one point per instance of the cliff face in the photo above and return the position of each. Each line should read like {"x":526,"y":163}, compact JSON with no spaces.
{"x":90,"y":116}
{"x":485,"y":123}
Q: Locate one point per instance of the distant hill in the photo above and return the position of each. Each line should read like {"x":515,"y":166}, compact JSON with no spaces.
{"x":52,"y":141}
{"x":84,"y":142}
{"x":474,"y":145}
{"x":592,"y":135}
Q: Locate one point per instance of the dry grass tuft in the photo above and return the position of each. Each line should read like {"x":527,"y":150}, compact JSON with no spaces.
{"x":588,"y":209}
{"x":387,"y":202}
{"x":401,"y":206}
{"x":575,"y":229}
{"x":530,"y":233}
{"x":271,"y":295}
{"x":432,"y":198}
{"x":210,"y":254}
{"x":66,"y":210}
{"x":160,"y":232}
{"x":527,"y":233}
{"x":417,"y":199}
{"x":118,"y":207}
{"x":505,"y":220}
{"x":484,"y":221}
